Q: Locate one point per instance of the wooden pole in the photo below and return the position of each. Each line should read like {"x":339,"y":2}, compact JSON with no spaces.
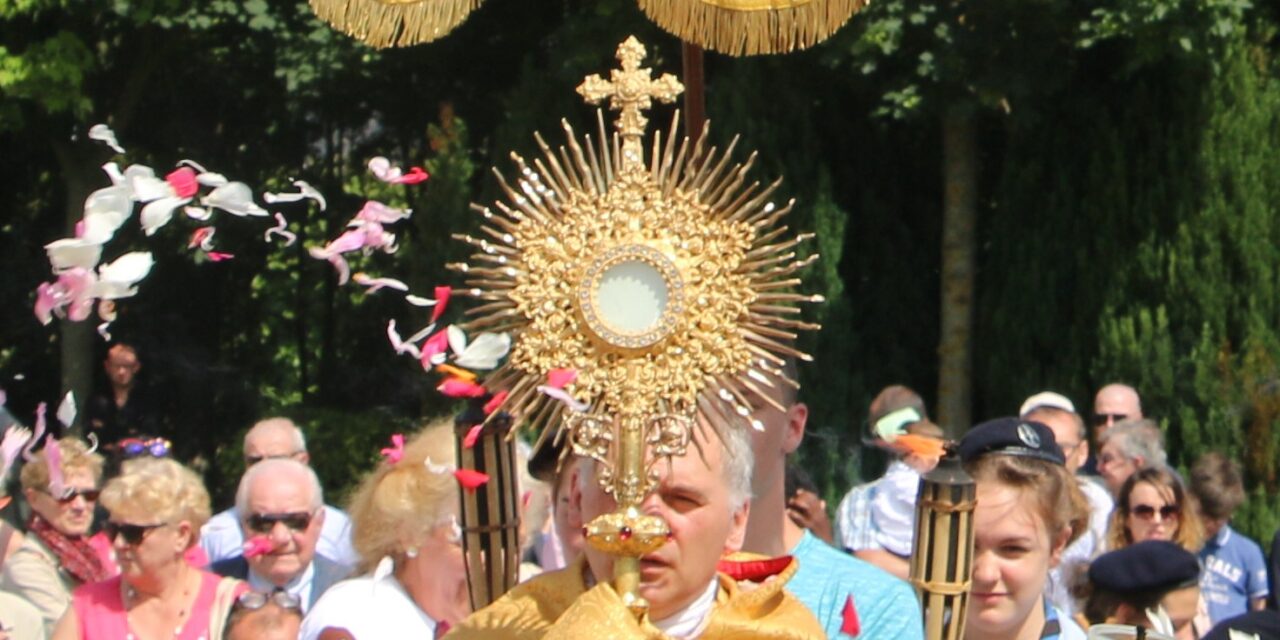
{"x":695,"y":100}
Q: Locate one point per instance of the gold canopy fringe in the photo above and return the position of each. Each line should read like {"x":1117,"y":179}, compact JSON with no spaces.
{"x":387,"y":23}
{"x":751,"y":27}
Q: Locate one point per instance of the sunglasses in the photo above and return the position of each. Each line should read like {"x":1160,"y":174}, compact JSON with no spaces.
{"x":266,"y":522}
{"x":136,"y":448}
{"x":133,"y":534}
{"x":1147,"y":512}
{"x":69,"y":495}
{"x":254,"y":600}
{"x":1100,"y":419}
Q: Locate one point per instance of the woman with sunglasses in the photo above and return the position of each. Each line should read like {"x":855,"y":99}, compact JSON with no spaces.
{"x":1152,"y":505}
{"x":405,"y":527}
{"x":156,"y":508}
{"x":56,"y":556}
{"x":1029,"y":508}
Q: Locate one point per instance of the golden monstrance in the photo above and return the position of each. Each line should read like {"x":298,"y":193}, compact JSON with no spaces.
{"x":666,"y":282}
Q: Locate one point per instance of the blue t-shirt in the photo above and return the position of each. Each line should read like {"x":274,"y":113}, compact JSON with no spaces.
{"x":1234,"y":574}
{"x":886,"y":606}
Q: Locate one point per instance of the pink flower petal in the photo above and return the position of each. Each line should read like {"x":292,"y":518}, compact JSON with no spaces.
{"x":399,"y":344}
{"x":395,"y":452}
{"x":183,"y":181}
{"x":280,"y":230}
{"x":374,"y":284}
{"x":563,"y":396}
{"x":559,"y":378}
{"x":53,"y":460}
{"x":442,"y":301}
{"x":46,"y":302}
{"x":415,"y":175}
{"x":495,"y":402}
{"x":218,"y":256}
{"x":258,"y":546}
{"x":458,"y":388}
{"x":435,"y":349}
{"x":473,"y":434}
{"x":470,"y":479}
{"x":374,"y":211}
{"x":203,"y":238}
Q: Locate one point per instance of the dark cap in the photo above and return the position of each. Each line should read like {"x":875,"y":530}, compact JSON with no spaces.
{"x":1011,"y":437}
{"x":1149,"y":567}
{"x":1264,"y":625}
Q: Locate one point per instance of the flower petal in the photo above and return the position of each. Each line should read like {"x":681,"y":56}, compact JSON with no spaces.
{"x":438,"y":469}
{"x":457,"y":388}
{"x":280,"y":230}
{"x":563,"y":396}
{"x":400,"y":345}
{"x":495,"y":402}
{"x":454,"y":372}
{"x":235,"y":198}
{"x":257,"y":546}
{"x":457,"y":339}
{"x":442,"y":301}
{"x":381,"y":168}
{"x":183,"y":182}
{"x":198,"y":213}
{"x":559,"y":378}
{"x":46,"y":302}
{"x":70,"y":253}
{"x":116,"y":280}
{"x":218,"y":256}
{"x":415,"y":175}
{"x":419,"y":301}
{"x":470,"y":479}
{"x":159,"y":212}
{"x":66,"y":412}
{"x":485,"y":351}
{"x":143,"y":184}
{"x":102,"y":133}
{"x":473,"y":434}
{"x":374,"y":211}
{"x":374,"y":284}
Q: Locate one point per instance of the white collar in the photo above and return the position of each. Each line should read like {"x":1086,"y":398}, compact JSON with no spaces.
{"x":690,"y":621}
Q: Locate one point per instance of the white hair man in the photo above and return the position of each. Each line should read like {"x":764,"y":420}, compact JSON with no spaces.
{"x":705,"y":498}
{"x":1127,"y":447}
{"x":272,"y":439}
{"x":1069,"y":431}
{"x":281,"y":506}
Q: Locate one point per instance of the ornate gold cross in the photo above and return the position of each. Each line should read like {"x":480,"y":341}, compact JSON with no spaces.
{"x":630,"y":90}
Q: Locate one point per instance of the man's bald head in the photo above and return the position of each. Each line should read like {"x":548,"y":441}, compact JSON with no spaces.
{"x":1114,"y":403}
{"x":275,"y":438}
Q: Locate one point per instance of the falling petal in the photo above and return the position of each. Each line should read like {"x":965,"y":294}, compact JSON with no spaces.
{"x":560,"y":378}
{"x":102,"y":133}
{"x":203,"y":238}
{"x":257,"y":546}
{"x":28,"y":451}
{"x":117,"y":280}
{"x":470,"y":479}
{"x":305,"y":191}
{"x":374,"y":211}
{"x":452,"y":371}
{"x":198,"y":213}
{"x":102,"y":331}
{"x":374,"y":284}
{"x":210,"y":179}
{"x":455,"y":388}
{"x":235,"y":198}
{"x":70,"y":253}
{"x":439,"y":469}
{"x":183,"y":182}
{"x":143,"y":184}
{"x":159,"y":212}
{"x":399,"y":345}
{"x":15,"y":438}
{"x":419,"y":301}
{"x":485,"y":351}
{"x":66,"y":412}
{"x":46,"y":302}
{"x":442,"y":301}
{"x":218,"y":256}
{"x":280,"y":230}
{"x":495,"y":402}
{"x":113,"y":173}
{"x":473,"y":434}
{"x":434,"y":349}
{"x":457,"y":339}
{"x":422,"y":333}
{"x":395,"y":452}
{"x":563,"y":396}
{"x":53,"y":462}
{"x":415,"y":175}
{"x":105,"y":210}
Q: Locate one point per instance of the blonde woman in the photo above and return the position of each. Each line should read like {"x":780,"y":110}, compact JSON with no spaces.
{"x":56,"y":556}
{"x":1153,"y":504}
{"x":156,"y":507}
{"x":404,"y":516}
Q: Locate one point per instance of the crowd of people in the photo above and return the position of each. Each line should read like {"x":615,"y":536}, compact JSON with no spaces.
{"x":121,"y":541}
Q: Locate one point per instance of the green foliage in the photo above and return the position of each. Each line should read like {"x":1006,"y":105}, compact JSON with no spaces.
{"x":50,"y":72}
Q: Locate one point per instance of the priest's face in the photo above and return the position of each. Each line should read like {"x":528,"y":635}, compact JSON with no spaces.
{"x":694,"y":498}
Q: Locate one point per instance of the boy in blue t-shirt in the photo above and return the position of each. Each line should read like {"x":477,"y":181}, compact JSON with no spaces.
{"x":1234,"y":580}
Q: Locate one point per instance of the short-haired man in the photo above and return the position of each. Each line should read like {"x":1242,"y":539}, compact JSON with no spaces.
{"x":828,"y":582}
{"x":1127,"y":447}
{"x":1234,"y":580}
{"x":1115,"y":402}
{"x":1072,"y":437}
{"x":704,"y":496}
{"x":124,"y":410}
{"x":270,"y":439}
{"x":280,"y":503}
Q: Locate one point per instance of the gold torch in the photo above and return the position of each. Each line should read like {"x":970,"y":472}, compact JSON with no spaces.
{"x":942,"y":558}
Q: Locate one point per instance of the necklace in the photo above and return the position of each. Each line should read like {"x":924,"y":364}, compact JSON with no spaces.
{"x":129,"y":595}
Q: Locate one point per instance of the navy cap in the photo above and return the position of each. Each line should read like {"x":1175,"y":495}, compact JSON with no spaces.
{"x":1011,"y":437}
{"x":1264,"y":625}
{"x":1152,"y":566}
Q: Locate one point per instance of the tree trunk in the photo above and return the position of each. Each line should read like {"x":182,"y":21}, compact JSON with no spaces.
{"x":75,"y":338}
{"x":959,"y":175}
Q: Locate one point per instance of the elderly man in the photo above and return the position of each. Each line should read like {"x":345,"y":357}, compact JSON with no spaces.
{"x":1115,"y":403}
{"x":276,"y":438}
{"x":1070,"y":433}
{"x":280,"y":504}
{"x":1127,"y":447}
{"x":705,"y":499}
{"x":836,"y":587}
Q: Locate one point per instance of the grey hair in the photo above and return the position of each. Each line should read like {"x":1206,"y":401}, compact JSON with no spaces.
{"x":279,"y":423}
{"x":1137,"y":438}
{"x":277,"y":467}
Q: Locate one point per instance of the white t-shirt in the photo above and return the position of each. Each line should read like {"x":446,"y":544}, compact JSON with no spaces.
{"x":372,"y":606}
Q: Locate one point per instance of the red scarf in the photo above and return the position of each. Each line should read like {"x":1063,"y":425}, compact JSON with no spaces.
{"x":75,"y":555}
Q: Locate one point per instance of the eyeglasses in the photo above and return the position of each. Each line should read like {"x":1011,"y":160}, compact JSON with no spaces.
{"x":69,"y":495}
{"x":265,"y":522}
{"x":133,"y":534}
{"x":249,"y":461}
{"x":1148,"y":512}
{"x":136,"y":448}
{"x":1100,"y":419}
{"x":254,"y":600}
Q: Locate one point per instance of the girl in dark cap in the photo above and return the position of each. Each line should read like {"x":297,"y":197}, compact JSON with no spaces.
{"x":1029,"y":509}
{"x":1153,"y":585}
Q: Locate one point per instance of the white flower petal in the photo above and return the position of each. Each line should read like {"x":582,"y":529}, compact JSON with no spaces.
{"x":235,"y":198}
{"x":419,"y":301}
{"x":67,"y":410}
{"x":198,"y":213}
{"x":117,"y":280}
{"x":104,"y":211}
{"x":485,"y":351}
{"x":143,"y":184}
{"x":102,"y":133}
{"x":113,"y":171}
{"x":457,"y":339}
{"x":159,"y":212}
{"x":70,"y":253}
